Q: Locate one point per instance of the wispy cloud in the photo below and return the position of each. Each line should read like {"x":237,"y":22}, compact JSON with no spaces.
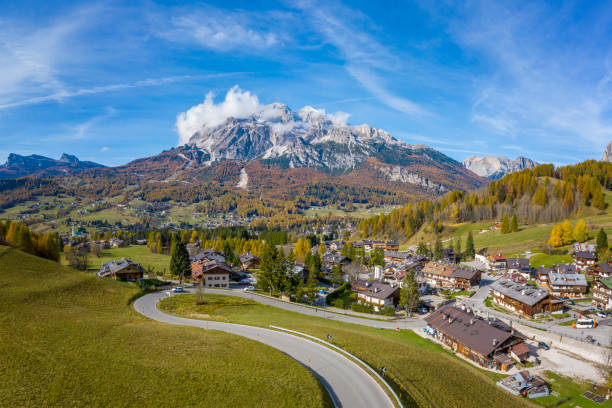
{"x":222,"y":30}
{"x":104,"y":149}
{"x":365,"y":58}
{"x":543,"y":83}
{"x":64,"y":94}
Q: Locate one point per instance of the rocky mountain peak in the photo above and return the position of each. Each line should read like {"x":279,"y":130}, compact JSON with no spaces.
{"x":607,"y":154}
{"x":495,"y":167}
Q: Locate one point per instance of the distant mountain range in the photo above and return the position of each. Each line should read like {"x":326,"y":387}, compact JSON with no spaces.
{"x":495,"y":167}
{"x":607,"y":154}
{"x":19,"y":166}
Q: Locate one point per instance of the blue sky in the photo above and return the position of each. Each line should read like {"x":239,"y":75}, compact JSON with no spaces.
{"x":106,"y":80}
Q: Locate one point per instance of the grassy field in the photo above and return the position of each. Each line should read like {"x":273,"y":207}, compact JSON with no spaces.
{"x":137,"y":253}
{"x":549,"y":260}
{"x":68,"y":339}
{"x":571,"y":392}
{"x":426,"y":374}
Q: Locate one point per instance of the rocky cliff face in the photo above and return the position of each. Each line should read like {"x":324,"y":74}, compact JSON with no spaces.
{"x":309,"y":138}
{"x":19,"y":166}
{"x":494,"y":167}
{"x":607,"y":154}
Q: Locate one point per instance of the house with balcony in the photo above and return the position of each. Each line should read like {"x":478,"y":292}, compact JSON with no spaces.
{"x":572,"y":285}
{"x":524,"y":300}
{"x":602,"y":293}
{"x":378,"y":294}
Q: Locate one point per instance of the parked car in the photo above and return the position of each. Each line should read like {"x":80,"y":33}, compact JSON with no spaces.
{"x":601,"y":314}
{"x":244,"y":281}
{"x":250,"y":287}
{"x":321,"y":292}
{"x":590,"y":310}
{"x":543,"y":345}
{"x":178,"y":289}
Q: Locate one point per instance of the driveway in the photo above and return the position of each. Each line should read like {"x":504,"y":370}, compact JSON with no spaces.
{"x":348,"y":384}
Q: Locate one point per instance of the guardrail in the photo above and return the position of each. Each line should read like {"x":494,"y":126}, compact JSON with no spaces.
{"x":397,"y":400}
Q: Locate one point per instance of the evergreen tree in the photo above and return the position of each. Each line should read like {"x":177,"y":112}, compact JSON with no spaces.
{"x":377,"y":257}
{"x":311,"y":287}
{"x":514,"y":223}
{"x":602,"y":240}
{"x":422,"y":248}
{"x":458,"y":248}
{"x":580,"y":232}
{"x":179,"y":260}
{"x":409,"y":293}
{"x":336,"y":274}
{"x":437,"y":252}
{"x":470,"y":251}
{"x":505,"y":224}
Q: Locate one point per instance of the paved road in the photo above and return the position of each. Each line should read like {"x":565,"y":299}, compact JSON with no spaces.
{"x":411,"y":323}
{"x":349,"y":384}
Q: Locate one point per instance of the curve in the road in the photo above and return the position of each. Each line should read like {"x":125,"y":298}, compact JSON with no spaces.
{"x":348,"y":383}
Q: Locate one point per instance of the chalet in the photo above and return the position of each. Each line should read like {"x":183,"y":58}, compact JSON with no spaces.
{"x":369,"y":245}
{"x":336,"y":245}
{"x":484,"y":342}
{"x":378,"y":294}
{"x":520,"y":352}
{"x":496,"y":262}
{"x":542,"y":273}
{"x":515,"y":277}
{"x":438,"y":275}
{"x":566,"y":268}
{"x":524,"y":300}
{"x":584,"y":247}
{"x":519,"y":265}
{"x":396,"y":256}
{"x":117,"y":243}
{"x":331,"y":259}
{"x":599,"y":271}
{"x":193,"y":248}
{"x":249,"y":261}
{"x":392,"y":246}
{"x":585,"y":259}
{"x":465,"y":278}
{"x":209,"y":255}
{"x":602,"y":292}
{"x":449,"y":256}
{"x":567,"y":284}
{"x":213,"y":274}
{"x":523,"y":383}
{"x":124,"y":270}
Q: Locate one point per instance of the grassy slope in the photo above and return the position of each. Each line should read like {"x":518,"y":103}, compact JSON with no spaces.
{"x":68,"y":339}
{"x":430,"y":375}
{"x":137,"y":253}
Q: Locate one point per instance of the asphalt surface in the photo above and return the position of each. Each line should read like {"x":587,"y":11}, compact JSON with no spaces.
{"x":348,"y":384}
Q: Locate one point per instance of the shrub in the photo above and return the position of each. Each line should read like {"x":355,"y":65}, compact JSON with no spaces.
{"x":339,"y":303}
{"x":356,"y":307}
{"x":388,"y":311}
{"x":337,"y":294}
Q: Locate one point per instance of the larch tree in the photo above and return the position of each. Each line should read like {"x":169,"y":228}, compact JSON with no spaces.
{"x":505,"y":224}
{"x":581,"y":232}
{"x":514,"y":223}
{"x":556,"y":236}
{"x":567,"y":232}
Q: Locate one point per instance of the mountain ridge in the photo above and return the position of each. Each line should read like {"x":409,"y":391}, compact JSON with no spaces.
{"x":495,"y":167}
{"x":17,"y":165}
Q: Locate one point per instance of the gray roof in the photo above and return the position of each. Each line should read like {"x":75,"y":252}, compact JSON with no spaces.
{"x":523,"y":293}
{"x":605,"y":266}
{"x":463,"y":273}
{"x":397,"y":254}
{"x":585,"y":255}
{"x":567,"y":279}
{"x":518,"y":263}
{"x":114,"y":267}
{"x":566,"y":268}
{"x":378,"y":289}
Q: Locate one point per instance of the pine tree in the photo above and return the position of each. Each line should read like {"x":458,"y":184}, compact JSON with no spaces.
{"x":458,"y":248}
{"x":409,"y":294}
{"x":581,"y":232}
{"x":437,"y":252}
{"x":602,"y":240}
{"x":470,"y":251}
{"x":514,"y":223}
{"x":505,"y":225}
{"x":336,"y":274}
{"x":179,"y":260}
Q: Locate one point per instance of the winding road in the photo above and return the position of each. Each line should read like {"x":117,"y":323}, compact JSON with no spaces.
{"x":348,"y":384}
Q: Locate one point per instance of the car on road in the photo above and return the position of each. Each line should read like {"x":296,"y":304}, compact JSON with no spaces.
{"x":601,"y":314}
{"x":190,"y":285}
{"x":250,"y":287}
{"x":178,"y":289}
{"x":543,"y":345}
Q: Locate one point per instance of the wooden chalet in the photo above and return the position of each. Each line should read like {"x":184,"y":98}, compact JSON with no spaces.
{"x":602,"y":292}
{"x":600,"y":271}
{"x":438,"y":275}
{"x":567,"y":284}
{"x":249,"y":261}
{"x":378,"y":294}
{"x":123,"y":270}
{"x":524,"y":300}
{"x":485,"y":342}
{"x":465,"y":278}
{"x":585,"y":259}
{"x":213,"y":274}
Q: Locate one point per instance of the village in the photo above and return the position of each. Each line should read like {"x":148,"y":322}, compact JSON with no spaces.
{"x":498,"y":313}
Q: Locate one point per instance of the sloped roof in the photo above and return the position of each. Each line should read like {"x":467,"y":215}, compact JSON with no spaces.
{"x":467,"y":329}
{"x":523,"y":293}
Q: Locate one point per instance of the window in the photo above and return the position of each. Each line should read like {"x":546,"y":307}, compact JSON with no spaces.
{"x":216,"y":285}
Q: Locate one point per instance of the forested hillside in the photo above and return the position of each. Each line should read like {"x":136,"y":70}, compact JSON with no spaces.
{"x":538,"y":195}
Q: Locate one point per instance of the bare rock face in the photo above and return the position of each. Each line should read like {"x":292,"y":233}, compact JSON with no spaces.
{"x":494,"y":167}
{"x":18,"y":166}
{"x":310,"y":138}
{"x":607,"y":154}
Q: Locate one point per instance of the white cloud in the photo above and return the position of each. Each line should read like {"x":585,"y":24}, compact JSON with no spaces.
{"x":222,"y":30}
{"x":104,"y":149}
{"x":241,"y":104}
